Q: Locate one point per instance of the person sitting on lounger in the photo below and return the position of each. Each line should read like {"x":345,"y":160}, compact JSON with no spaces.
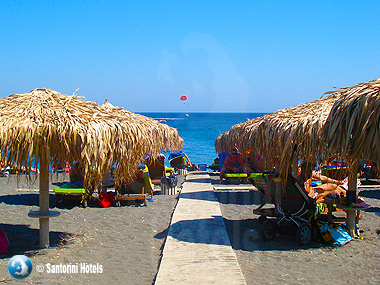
{"x":330,"y":186}
{"x":176,"y":162}
{"x":233,"y":163}
{"x":252,"y":163}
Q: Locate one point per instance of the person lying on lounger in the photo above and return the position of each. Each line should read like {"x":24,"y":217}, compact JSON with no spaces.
{"x":330,"y":186}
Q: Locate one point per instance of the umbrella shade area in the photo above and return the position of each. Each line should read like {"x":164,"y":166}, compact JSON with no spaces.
{"x":45,"y":126}
{"x":352,"y":128}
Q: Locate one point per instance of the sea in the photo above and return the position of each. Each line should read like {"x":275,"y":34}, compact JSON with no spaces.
{"x":199,"y":131}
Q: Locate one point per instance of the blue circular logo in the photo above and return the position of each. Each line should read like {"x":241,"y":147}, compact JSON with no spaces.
{"x":20,"y":266}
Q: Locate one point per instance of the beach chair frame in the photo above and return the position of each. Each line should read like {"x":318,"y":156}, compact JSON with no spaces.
{"x":135,"y":186}
{"x":132,"y":197}
{"x":65,"y":192}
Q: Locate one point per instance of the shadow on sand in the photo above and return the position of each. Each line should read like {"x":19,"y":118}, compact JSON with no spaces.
{"x":374,"y":194}
{"x":206,"y":231}
{"x":245,"y":235}
{"x":240,"y":197}
{"x":226,"y":197}
{"x":24,"y":239}
{"x":25,"y":199}
{"x":33,"y":200}
{"x":242,"y":235}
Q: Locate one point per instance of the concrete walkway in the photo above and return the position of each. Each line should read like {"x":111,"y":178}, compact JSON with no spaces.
{"x":197,"y":249}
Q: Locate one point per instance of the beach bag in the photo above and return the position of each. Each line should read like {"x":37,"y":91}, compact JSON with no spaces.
{"x":3,"y":242}
{"x":106,"y":200}
{"x":336,"y":235}
{"x":340,"y":236}
{"x":173,"y":181}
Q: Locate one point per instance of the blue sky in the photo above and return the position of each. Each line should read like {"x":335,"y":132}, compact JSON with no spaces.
{"x":226,"y":56}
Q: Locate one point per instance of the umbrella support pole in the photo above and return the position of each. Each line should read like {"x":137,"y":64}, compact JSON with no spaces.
{"x":352,"y":192}
{"x":295,"y":165}
{"x":44,"y":232}
{"x":44,"y":201}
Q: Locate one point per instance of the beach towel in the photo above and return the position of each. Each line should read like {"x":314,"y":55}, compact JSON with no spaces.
{"x":149,"y":188}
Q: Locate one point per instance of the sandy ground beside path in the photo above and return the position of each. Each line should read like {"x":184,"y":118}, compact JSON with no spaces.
{"x":126,"y":241}
{"x":283,"y":261}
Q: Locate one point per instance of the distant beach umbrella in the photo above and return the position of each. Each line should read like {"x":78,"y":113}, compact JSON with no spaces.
{"x":45,"y":126}
{"x":221,"y":143}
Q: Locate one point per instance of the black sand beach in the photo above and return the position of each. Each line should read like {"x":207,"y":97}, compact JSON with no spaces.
{"x":283,"y":261}
{"x":126,"y":241}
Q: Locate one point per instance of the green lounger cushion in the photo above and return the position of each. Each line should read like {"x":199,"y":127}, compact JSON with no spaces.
{"x":168,"y":171}
{"x":254,"y":175}
{"x":227,"y":175}
{"x":67,"y":189}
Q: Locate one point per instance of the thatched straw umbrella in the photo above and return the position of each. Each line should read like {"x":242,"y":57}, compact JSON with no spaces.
{"x":221,"y":144}
{"x":284,"y":136}
{"x":156,"y":136}
{"x":161,"y":136}
{"x":352,"y":130}
{"x":45,"y":126}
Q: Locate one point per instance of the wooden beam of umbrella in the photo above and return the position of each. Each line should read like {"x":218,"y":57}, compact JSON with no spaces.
{"x":44,"y":126}
{"x":352,"y":130}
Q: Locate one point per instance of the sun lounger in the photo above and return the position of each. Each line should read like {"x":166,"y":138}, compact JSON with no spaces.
{"x":157,"y":169}
{"x":68,"y":192}
{"x":138,"y":190}
{"x":140,"y":197}
{"x":237,"y":178}
{"x":259,"y":181}
{"x":335,"y":172}
{"x":177,"y":162}
{"x":214,"y":167}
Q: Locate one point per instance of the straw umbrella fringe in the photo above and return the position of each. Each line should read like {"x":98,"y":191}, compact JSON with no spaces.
{"x":158,"y":136}
{"x":280,"y":136}
{"x":352,"y":128}
{"x":73,"y":129}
